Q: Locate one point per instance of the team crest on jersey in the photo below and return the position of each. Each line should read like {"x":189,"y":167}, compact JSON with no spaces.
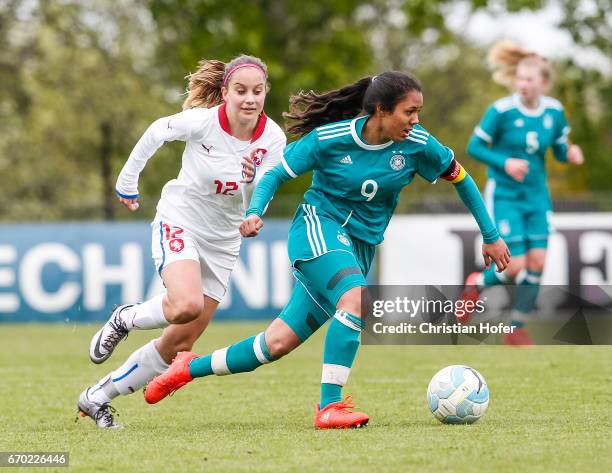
{"x":343,"y":239}
{"x":519,"y":123}
{"x":548,"y":121}
{"x":259,"y":155}
{"x":177,"y":245}
{"x":397,"y":162}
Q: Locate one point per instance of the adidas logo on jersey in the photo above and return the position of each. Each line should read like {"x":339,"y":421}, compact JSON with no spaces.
{"x":346,"y":160}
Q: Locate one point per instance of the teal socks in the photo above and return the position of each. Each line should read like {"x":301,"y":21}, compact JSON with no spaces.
{"x":341,"y":345}
{"x":244,"y":356}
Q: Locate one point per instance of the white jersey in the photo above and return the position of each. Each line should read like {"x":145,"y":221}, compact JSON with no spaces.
{"x":207,"y":197}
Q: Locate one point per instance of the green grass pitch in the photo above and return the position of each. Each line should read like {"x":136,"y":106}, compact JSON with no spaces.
{"x":550,"y":409}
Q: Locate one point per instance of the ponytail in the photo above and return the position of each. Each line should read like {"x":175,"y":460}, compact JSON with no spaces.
{"x":504,"y":58}
{"x":309,"y":110}
{"x":204,"y":89}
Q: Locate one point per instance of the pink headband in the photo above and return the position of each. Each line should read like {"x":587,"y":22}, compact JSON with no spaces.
{"x":240,"y":66}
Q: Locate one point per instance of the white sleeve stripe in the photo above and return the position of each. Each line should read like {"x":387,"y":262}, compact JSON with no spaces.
{"x":414,"y":139}
{"x":479,"y":132}
{"x":332,"y":125}
{"x":327,"y":137}
{"x":331,"y":132}
{"x":562,"y":140}
{"x":287,"y":168}
{"x":421,"y":132}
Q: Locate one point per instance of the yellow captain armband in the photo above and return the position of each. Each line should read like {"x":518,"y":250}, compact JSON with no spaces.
{"x":455,"y":172}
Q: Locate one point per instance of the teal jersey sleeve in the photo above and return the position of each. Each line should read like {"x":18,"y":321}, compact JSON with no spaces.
{"x":560,"y":143}
{"x":434,"y":160}
{"x":265,"y":190}
{"x":489,"y":125}
{"x":480,"y":144}
{"x":301,"y":155}
{"x":470,"y":195}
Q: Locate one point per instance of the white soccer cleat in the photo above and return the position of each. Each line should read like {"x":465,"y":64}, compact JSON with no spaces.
{"x":108,"y":337}
{"x":101,"y":414}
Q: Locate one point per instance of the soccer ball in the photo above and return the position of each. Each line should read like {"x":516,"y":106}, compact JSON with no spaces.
{"x":458,"y":394}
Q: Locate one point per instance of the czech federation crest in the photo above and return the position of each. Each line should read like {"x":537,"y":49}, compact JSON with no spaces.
{"x":397,"y":162}
{"x":176,"y":245}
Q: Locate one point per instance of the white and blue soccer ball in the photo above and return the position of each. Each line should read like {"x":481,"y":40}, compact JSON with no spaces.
{"x":458,"y":394}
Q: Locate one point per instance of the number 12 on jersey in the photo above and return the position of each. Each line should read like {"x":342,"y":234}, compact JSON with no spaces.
{"x":230,"y":186}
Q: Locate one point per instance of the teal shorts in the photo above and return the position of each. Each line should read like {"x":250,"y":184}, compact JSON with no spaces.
{"x":303,"y":313}
{"x":328,"y":263}
{"x":523,"y":226}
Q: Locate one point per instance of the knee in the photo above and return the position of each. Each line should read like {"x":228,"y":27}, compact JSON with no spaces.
{"x":515,"y":267}
{"x":278,"y":347}
{"x":536,"y":265}
{"x":351,"y":303}
{"x":185,"y":311}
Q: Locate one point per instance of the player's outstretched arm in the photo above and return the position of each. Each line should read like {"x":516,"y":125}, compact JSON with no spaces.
{"x":480,"y":149}
{"x":175,"y":127}
{"x":263,"y":194}
{"x":494,"y":248}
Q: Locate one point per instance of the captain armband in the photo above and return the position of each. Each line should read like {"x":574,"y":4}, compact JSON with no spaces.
{"x":455,"y":172}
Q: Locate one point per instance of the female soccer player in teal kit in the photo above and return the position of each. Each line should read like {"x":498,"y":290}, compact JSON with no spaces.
{"x":363,"y":143}
{"x":512,"y":139}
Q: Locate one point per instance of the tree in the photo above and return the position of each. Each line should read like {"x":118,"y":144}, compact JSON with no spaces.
{"x":80,"y":89}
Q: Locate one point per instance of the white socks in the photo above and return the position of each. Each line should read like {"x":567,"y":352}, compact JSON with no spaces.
{"x":148,"y":315}
{"x":140,"y":368}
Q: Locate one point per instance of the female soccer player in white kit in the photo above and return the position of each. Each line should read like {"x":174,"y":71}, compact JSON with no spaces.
{"x":230,"y":144}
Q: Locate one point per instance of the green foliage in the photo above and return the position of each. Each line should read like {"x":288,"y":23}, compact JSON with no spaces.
{"x":82,"y":81}
{"x":75,"y":78}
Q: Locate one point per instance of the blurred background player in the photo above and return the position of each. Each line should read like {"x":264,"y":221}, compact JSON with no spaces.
{"x":363,"y":144}
{"x":512,"y":139}
{"x":195,"y":234}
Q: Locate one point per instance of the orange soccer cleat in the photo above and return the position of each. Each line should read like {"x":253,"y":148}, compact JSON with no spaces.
{"x":470,"y":293}
{"x":518,"y":337}
{"x":174,"y":378}
{"x":338,"y":415}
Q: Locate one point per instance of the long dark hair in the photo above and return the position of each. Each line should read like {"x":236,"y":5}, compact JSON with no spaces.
{"x":308,"y":110}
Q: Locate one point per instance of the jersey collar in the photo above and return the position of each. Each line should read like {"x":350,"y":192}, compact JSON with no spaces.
{"x":259,"y":128}
{"x":530,"y":112}
{"x":356,"y":133}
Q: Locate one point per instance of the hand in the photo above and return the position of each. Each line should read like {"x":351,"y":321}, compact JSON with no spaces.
{"x":516,"y":168}
{"x":131,"y":204}
{"x":498,"y":252}
{"x":251,"y":225}
{"x":574,"y":155}
{"x":248,"y":168}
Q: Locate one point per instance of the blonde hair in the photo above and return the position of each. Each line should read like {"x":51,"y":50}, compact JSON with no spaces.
{"x":504,"y":58}
{"x":204,"y":87}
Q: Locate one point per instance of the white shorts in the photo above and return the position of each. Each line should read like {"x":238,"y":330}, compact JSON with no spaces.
{"x":172,"y":243}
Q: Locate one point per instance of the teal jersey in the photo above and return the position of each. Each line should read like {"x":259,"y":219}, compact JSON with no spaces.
{"x":358,"y":184}
{"x":510,"y":130}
